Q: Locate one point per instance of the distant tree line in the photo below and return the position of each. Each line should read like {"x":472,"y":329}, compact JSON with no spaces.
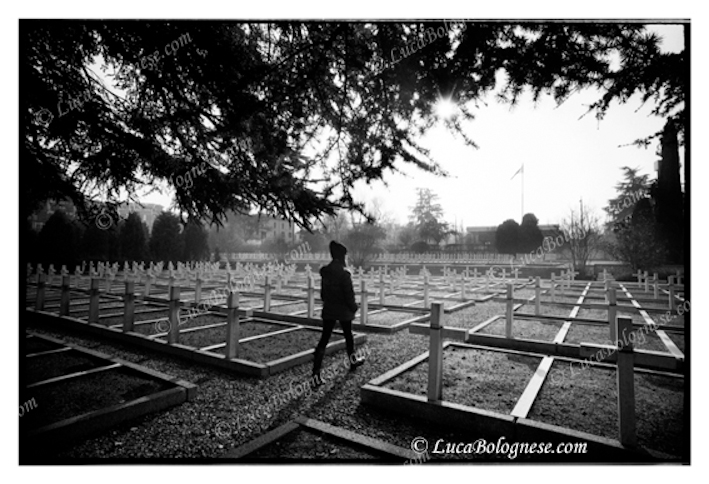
{"x":513,"y":238}
{"x":63,"y":241}
{"x":647,"y":224}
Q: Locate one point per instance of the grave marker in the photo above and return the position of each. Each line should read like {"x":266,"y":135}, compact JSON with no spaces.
{"x":129,"y":303}
{"x":311,"y":297}
{"x":232,"y":326}
{"x":148,"y":282}
{"x":671,"y":287}
{"x":39,"y":301}
{"x":381,"y":288}
{"x":607,"y":289}
{"x":435,"y":355}
{"x":508,"y":312}
{"x":364,"y":302}
{"x":647,"y":280}
{"x":267,"y":294}
{"x":93,"y":300}
{"x":198,"y":289}
{"x":64,"y":305}
{"x":655,"y":286}
{"x":612,"y":312}
{"x":538,"y":293}
{"x":626,"y":384}
{"x":173,"y":334}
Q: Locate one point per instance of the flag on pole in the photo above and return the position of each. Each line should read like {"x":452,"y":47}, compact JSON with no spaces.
{"x":521,"y":169}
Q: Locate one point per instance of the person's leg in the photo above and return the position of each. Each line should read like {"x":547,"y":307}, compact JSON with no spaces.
{"x":327,"y":326}
{"x":349,"y":339}
{"x":349,"y":343}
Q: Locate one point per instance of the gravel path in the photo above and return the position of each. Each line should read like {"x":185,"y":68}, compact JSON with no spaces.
{"x":231,"y":410}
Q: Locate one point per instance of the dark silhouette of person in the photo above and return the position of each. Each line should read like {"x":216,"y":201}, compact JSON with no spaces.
{"x":339,"y":304}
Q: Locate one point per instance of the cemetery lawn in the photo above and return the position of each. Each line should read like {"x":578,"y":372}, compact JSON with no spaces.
{"x":293,"y":307}
{"x":272,"y":348}
{"x":677,"y":339}
{"x":471,"y":316}
{"x":597,"y":314}
{"x":140,"y":314}
{"x":44,"y":367}
{"x":550,"y":310}
{"x":490,"y":380}
{"x":398,"y":301}
{"x":36,"y":345}
{"x":584,"y":333}
{"x":216,"y":335}
{"x":56,"y":402}
{"x":586,"y":400}
{"x":389,"y":318}
{"x":525,"y":329}
{"x":82,"y":311}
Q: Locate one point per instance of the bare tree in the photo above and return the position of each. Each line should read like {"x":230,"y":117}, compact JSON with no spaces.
{"x":335,"y":227}
{"x":581,"y":235}
{"x":382,"y":216}
{"x":362,"y":242}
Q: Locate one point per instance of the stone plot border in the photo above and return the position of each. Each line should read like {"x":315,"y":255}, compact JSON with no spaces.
{"x":356,"y":325}
{"x":457,"y":416}
{"x":390,"y":453}
{"x":241,"y":366}
{"x":317,"y":322}
{"x":647,"y":359}
{"x":85,"y":425}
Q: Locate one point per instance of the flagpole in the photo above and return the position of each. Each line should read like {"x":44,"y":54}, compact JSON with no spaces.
{"x":522,"y":214}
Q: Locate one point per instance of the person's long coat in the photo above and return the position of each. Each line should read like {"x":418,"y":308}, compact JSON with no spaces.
{"x":337,"y":293}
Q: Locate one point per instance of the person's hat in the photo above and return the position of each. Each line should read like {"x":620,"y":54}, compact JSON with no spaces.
{"x":337,"y":250}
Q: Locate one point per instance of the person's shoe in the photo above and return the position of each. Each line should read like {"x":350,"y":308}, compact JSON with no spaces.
{"x":317,"y":381}
{"x":355,"y":364}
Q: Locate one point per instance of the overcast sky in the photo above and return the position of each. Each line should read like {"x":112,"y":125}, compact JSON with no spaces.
{"x":565,"y":158}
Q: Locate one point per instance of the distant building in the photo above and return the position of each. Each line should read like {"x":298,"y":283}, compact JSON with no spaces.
{"x":274,"y":228}
{"x":40,"y":217}
{"x":481,"y":238}
{"x":550,"y":230}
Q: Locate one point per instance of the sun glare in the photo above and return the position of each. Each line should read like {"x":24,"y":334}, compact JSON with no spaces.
{"x":445,"y":108}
